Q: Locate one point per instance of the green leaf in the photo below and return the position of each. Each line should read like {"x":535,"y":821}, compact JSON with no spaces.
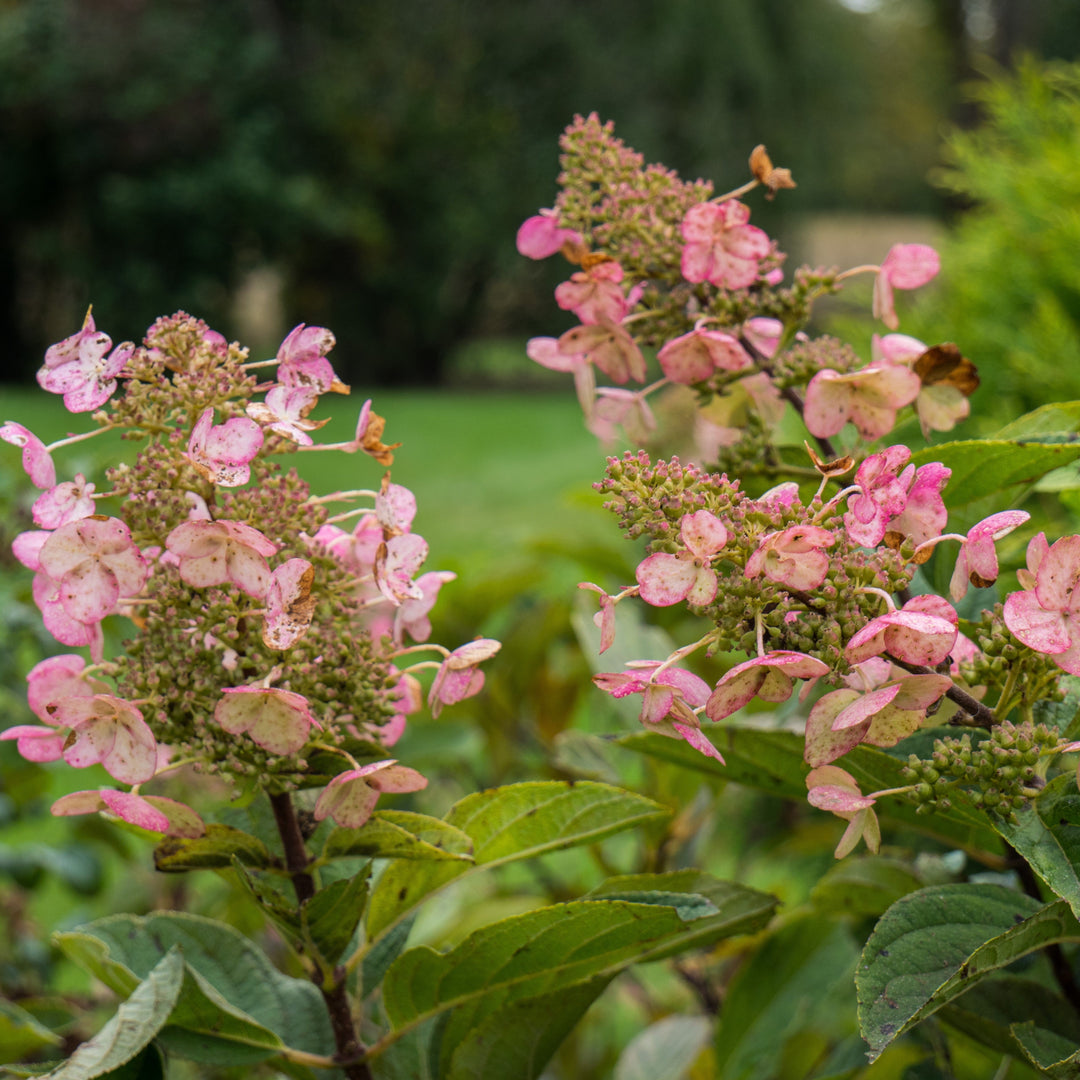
{"x":1054,"y":1054}
{"x":736,"y":908}
{"x":867,"y":885}
{"x":137,"y":1021}
{"x":664,"y":1050}
{"x":772,"y":761}
{"x":1060,"y":418}
{"x":332,"y":915}
{"x":236,"y":1008}
{"x":521,"y":974}
{"x":798,"y":980}
{"x":278,"y":908}
{"x":510,"y":823}
{"x":1047,"y":834}
{"x":982,"y":467}
{"x":990,"y":1011}
{"x":383,"y":953}
{"x":518,"y":1039}
{"x":215,"y":849}
{"x":936,"y":943}
{"x":400,"y":834}
{"x":21,"y":1033}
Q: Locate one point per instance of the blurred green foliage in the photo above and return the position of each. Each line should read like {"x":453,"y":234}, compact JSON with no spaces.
{"x":380,"y":156}
{"x":1009,"y":293}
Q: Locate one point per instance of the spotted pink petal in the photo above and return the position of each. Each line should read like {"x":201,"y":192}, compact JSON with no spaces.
{"x":108,"y":731}
{"x":34,"y":743}
{"x":289,"y":604}
{"x":36,"y":460}
{"x":610,"y":347}
{"x":55,"y":678}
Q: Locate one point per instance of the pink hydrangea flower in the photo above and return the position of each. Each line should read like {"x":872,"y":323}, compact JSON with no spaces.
{"x":977,"y":562}
{"x":395,"y":508}
{"x":277,"y":720}
{"x":223,"y":453}
{"x":302,"y":361}
{"x":93,"y":562}
{"x":36,"y":460}
{"x":220,"y":552}
{"x":610,"y":347}
{"x":695,"y":356}
{"x":668,"y":579}
{"x":907,"y":266}
{"x":832,"y":788}
{"x":628,"y":409}
{"x":604,"y":619}
{"x":58,"y":677}
{"x":546,"y":352}
{"x":351,"y":796}
{"x":869,"y":398}
{"x":66,"y":629}
{"x":924,"y":514}
{"x":1045,"y":614}
{"x":540,"y":236}
{"x":107,"y":731}
{"x":940,"y":406}
{"x":411,"y":616}
{"x":396,"y":564}
{"x":792,"y":557}
{"x":289,"y":604}
{"x":285,"y":411}
{"x":458,"y":676}
{"x":152,"y":812}
{"x":842,"y":719}
{"x":764,"y":334}
{"x":883,"y":493}
{"x":355,"y":551}
{"x":921,"y":632}
{"x":82,"y":368}
{"x":594,"y":295}
{"x":769,"y":677}
{"x":668,"y":700}
{"x":64,"y":503}
{"x":721,"y":248}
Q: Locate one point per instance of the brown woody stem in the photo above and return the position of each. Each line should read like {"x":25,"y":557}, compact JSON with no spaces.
{"x":349,"y":1046}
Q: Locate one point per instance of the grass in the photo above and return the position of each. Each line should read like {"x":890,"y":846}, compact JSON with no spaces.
{"x":491,"y":471}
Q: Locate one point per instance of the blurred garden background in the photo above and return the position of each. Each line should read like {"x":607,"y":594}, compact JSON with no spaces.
{"x":364,"y":166}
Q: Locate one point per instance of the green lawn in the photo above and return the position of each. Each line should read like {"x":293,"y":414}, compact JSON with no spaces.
{"x":490,"y":471}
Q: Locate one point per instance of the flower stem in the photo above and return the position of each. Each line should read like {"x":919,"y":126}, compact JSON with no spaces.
{"x":349,"y":1046}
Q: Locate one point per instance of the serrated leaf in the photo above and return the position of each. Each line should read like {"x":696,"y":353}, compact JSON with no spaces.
{"x":21,"y":1033}
{"x":215,"y":849}
{"x":137,"y":1021}
{"x":664,"y":1050}
{"x":332,"y":915}
{"x":412,"y":1057}
{"x":507,"y":824}
{"x":1054,"y":1055}
{"x":982,"y":467}
{"x":772,"y":761}
{"x":934,"y":944}
{"x":236,"y":1008}
{"x":400,"y":834}
{"x":492,"y":976}
{"x":797,"y":980}
{"x":863,"y":886}
{"x":281,"y":911}
{"x":1047,"y":834}
{"x":990,"y":1011}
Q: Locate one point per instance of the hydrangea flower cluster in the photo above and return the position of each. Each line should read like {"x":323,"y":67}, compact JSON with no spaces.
{"x":269,"y":645}
{"x":805,"y":564}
